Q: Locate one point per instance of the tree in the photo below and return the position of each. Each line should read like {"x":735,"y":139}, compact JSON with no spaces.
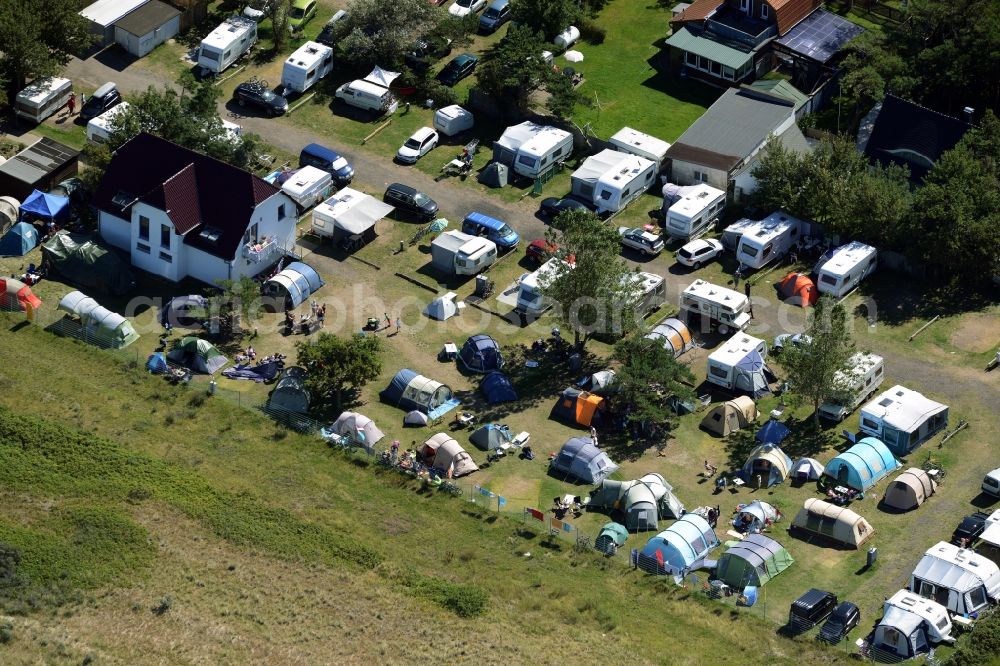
{"x":238,"y":305}
{"x":513,"y":68}
{"x":379,"y":32}
{"x":562,"y":94}
{"x":812,"y":367}
{"x":649,"y":375}
{"x":596,"y":295}
{"x":338,"y":364}
{"x":550,"y":17}
{"x":277,"y":11}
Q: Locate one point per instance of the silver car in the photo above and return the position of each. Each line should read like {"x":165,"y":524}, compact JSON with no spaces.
{"x":643,"y":241}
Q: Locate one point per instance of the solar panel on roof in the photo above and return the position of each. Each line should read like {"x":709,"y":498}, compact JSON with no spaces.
{"x":820,"y":35}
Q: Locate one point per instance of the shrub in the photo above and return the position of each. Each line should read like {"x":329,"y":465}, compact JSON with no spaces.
{"x":435,"y":90}
{"x":6,"y":633}
{"x":591,"y":32}
{"x":162,"y":607}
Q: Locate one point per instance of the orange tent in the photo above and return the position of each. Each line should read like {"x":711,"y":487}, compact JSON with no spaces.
{"x":16,"y":295}
{"x":798,"y":289}
{"x":580,"y":407}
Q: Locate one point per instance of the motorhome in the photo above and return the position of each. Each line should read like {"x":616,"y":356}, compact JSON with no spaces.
{"x":456,"y":253}
{"x":306,"y":186}
{"x":991,"y":483}
{"x":42,"y":98}
{"x":99,"y":128}
{"x":371,"y":93}
{"x":728,"y":366}
{"x":543,"y":151}
{"x":307,"y":65}
{"x":861,"y":380}
{"x":768,"y":239}
{"x":628,"y":140}
{"x":226,"y":44}
{"x":727,"y":309}
{"x":530,"y":300}
{"x":845,"y":268}
{"x":695,"y":214}
{"x":903,"y":419}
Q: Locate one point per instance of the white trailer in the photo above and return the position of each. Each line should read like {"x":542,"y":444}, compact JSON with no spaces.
{"x":768,"y":239}
{"x":453,"y":119}
{"x":624,"y":183}
{"x":695,"y":213}
{"x":861,"y":381}
{"x":845,"y":268}
{"x":530,"y":299}
{"x":541,"y":152}
{"x":42,"y":98}
{"x":348,"y":214}
{"x":724,"y":363}
{"x":457,"y":253}
{"x":651,"y":289}
{"x":628,"y":140}
{"x":99,"y":127}
{"x":226,"y":44}
{"x":307,"y":186}
{"x":308,"y":64}
{"x":725,"y":308}
{"x":732,"y":234}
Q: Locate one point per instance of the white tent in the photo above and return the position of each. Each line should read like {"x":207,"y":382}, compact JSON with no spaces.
{"x":909,"y":625}
{"x":442,"y":308}
{"x":807,"y":469}
{"x":415,"y":418}
{"x":381,"y":77}
{"x":358,"y":428}
{"x":958,"y":579}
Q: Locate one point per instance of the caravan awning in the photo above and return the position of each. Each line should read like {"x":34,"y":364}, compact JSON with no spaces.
{"x":363,"y":215}
{"x":706,"y":48}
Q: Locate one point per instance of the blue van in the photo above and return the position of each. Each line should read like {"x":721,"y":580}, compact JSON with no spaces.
{"x":493,"y":229}
{"x":333,"y":163}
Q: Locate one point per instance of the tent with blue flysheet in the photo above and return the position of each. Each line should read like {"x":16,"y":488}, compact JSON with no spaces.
{"x":863,"y":465}
{"x":481,"y":354}
{"x":409,"y":390}
{"x":773,"y":432}
{"x":496,"y":387}
{"x":751,"y":375}
{"x":157,"y":363}
{"x":19,"y":240}
{"x":680,"y":548}
{"x":295,"y":283}
{"x":42,"y":206}
{"x":611,"y":538}
{"x":579,"y":458}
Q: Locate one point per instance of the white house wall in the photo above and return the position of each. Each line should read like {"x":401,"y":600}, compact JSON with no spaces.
{"x":683,"y":174}
{"x":115,"y":231}
{"x":206,"y":267}
{"x":154,"y":261}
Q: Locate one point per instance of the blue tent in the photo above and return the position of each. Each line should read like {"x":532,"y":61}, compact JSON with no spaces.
{"x":773,"y":432}
{"x":751,"y":375}
{"x":481,"y":353}
{"x":45,"y":206}
{"x":21,"y":239}
{"x":681,"y":547}
{"x":497,"y":388}
{"x":863,"y":465}
{"x":157,"y":363}
{"x":294,"y":284}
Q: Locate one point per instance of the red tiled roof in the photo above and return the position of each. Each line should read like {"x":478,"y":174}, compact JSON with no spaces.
{"x":698,"y":11}
{"x":788,"y":13}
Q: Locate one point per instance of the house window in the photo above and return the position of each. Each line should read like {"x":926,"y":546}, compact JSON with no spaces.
{"x":166,"y":257}
{"x":764,"y":11}
{"x":253,"y":232}
{"x":728,"y":73}
{"x":704,"y":63}
{"x":164,"y":236}
{"x":745,"y":6}
{"x":142,"y":248}
{"x":143,"y":228}
{"x":716,"y":69}
{"x":281,"y":211}
{"x":701,"y":176}
{"x":691,"y":58}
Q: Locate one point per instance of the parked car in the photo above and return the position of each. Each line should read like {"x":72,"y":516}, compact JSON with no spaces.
{"x":552,"y":206}
{"x":495,"y":16}
{"x":459,"y":68}
{"x":256,"y":93}
{"x":419,"y":144}
{"x":699,"y":252}
{"x":809,"y":610}
{"x":425,"y":52}
{"x":969,"y":529}
{"x":794,"y":339}
{"x":409,"y":200}
{"x":465,"y":7}
{"x":844,"y":617}
{"x":647,"y":243}
{"x":302,"y":12}
{"x":541,"y":250}
{"x":326,"y":35}
{"x":104,"y":98}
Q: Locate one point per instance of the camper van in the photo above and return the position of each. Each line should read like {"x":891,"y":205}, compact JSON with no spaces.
{"x":307,"y":65}
{"x":991,"y":483}
{"x":99,"y":128}
{"x":862,"y":379}
{"x":695,"y":214}
{"x":767,"y":240}
{"x":42,"y":98}
{"x":455,"y":253}
{"x":368,"y":95}
{"x":723,"y":362}
{"x":530,"y":300}
{"x":306,"y":186}
{"x":541,"y":152}
{"x":722,"y":307}
{"x":845,"y":268}
{"x":634,"y":142}
{"x":624,"y":183}
{"x":226,"y":44}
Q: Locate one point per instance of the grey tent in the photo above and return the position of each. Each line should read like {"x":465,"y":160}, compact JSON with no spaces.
{"x":293,"y":285}
{"x":442,"y":308}
{"x":98,"y":325}
{"x":408,"y":390}
{"x":442,"y":452}
{"x":491,"y":436}
{"x":579,"y":458}
{"x":185,"y":311}
{"x":359,"y":429}
{"x":611,"y":538}
{"x":84,"y":262}
{"x":290,"y":393}
{"x":494,"y":175}
{"x":415,"y":418}
{"x":643,"y":501}
{"x":752,"y":562}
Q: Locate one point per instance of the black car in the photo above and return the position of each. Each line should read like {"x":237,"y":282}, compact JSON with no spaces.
{"x":329,"y":32}
{"x":103,"y":99}
{"x":409,"y":200}
{"x":844,"y":617}
{"x":425,"y":52}
{"x":256,"y":93}
{"x":969,"y":529}
{"x":459,"y":68}
{"x":809,"y":610}
{"x":552,"y":206}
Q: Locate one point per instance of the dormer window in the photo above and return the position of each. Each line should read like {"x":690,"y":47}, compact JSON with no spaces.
{"x":765,"y":11}
{"x":745,"y":6}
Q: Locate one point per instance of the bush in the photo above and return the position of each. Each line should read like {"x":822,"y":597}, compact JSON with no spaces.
{"x":6,"y":633}
{"x":591,"y":32}
{"x":435,"y":90}
{"x":162,"y":607}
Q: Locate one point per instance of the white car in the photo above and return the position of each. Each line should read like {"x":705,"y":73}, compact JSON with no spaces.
{"x":418,"y":145}
{"x":465,"y":7}
{"x":643,"y":241}
{"x":699,"y":252}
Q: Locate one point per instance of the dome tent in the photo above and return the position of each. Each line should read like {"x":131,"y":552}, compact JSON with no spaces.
{"x":680,"y":548}
{"x":290,"y":393}
{"x":157,"y":363}
{"x":442,"y":308}
{"x":576,"y":406}
{"x":99,"y":326}
{"x":611,"y":538}
{"x":643,"y":502}
{"x":294,"y":284}
{"x":833,"y":522}
{"x":359,"y":429}
{"x":798,"y":289}
{"x":909,"y":490}
{"x":408,"y":390}
{"x":768,"y":462}
{"x":730,"y":416}
{"x":42,"y":206}
{"x":862,"y":466}
{"x":754,"y":517}
{"x":773,"y":432}
{"x":415,"y":418}
{"x":198,"y":355}
{"x":481,"y":354}
{"x":807,"y":469}
{"x":19,"y":240}
{"x":580,"y":459}
{"x":442,"y":452}
{"x":491,"y":436}
{"x":752,"y":562}
{"x":496,"y":388}
{"x":16,"y":295}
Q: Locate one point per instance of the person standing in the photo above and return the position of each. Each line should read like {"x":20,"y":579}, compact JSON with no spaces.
{"x":321,"y":315}
{"x":71,"y":104}
{"x":746,"y":290}
{"x":399,"y":325}
{"x":388,"y":322}
{"x":593,"y":435}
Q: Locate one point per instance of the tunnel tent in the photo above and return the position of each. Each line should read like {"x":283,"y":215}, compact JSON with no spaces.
{"x":491,"y":436}
{"x":481,"y":354}
{"x":442,"y":452}
{"x":81,"y":260}
{"x":409,"y":390}
{"x":643,"y":501}
{"x":674,"y":334}
{"x":754,"y":517}
{"x":294,"y":283}
{"x":862,"y":466}
{"x":798,"y":289}
{"x":836,"y":523}
{"x":769,"y":463}
{"x":680,"y":548}
{"x":415,"y":418}
{"x":358,"y":429}
{"x":19,"y":240}
{"x":773,"y":432}
{"x":807,"y":469}
{"x":909,"y":490}
{"x":579,"y":458}
{"x":730,"y":416}
{"x":290,"y":393}
{"x":752,"y":562}
{"x":9,"y":210}
{"x":576,"y":406}
{"x":16,"y":295}
{"x":199,"y":355}
{"x":611,"y":537}
{"x":496,"y":388}
{"x":47,"y":207}
{"x":99,"y":326}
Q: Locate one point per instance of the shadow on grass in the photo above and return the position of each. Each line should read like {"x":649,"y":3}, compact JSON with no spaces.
{"x":900,"y":300}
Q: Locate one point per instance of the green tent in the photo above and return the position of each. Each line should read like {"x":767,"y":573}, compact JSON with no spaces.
{"x":611,"y":537}
{"x":82,"y":261}
{"x":752,"y":562}
{"x":98,"y":326}
{"x":198,"y":355}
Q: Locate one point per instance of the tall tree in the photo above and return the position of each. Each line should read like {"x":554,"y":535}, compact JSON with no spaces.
{"x":812,"y":368}
{"x":277,"y":11}
{"x":379,"y":32}
{"x":550,"y":17}
{"x":649,"y":375}
{"x":337,"y":365}
{"x":596,"y":295}
{"x":513,"y":68}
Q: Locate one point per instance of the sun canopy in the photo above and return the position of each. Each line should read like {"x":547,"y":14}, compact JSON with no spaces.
{"x":837,"y":523}
{"x":359,"y":429}
{"x":753,"y":561}
{"x":579,"y":458}
{"x":381,"y":77}
{"x":295,"y":283}
{"x":40,"y":205}
{"x":17,"y":296}
{"x":730,"y":416}
{"x":19,"y":240}
{"x":863,"y":465}
{"x":909,"y":490}
{"x":198,"y":355}
{"x":680,"y":548}
{"x":798,"y":289}
{"x":408,"y":390}
{"x":84,"y":262}
{"x":444,"y":453}
{"x":496,"y":388}
{"x":480,"y":353}
{"x":768,"y":463}
{"x":101,"y":326}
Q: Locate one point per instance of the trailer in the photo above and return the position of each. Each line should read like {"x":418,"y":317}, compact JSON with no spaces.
{"x":861,"y":380}
{"x":307,"y":65}
{"x":628,"y":140}
{"x":456,"y":253}
{"x":530,"y":299}
{"x":738,"y":365}
{"x":99,"y":128}
{"x":613,"y":179}
{"x":306,"y":186}
{"x":543,"y":151}
{"x":695,"y":214}
{"x":349,"y":215}
{"x":42,"y":98}
{"x":226,"y":44}
{"x":768,"y":239}
{"x":845,"y":267}
{"x":724,"y":308}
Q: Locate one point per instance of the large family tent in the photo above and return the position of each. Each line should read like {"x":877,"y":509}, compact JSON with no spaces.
{"x":772,"y":432}
{"x":185,"y":311}
{"x":909,"y":490}
{"x":444,"y":453}
{"x":957,"y":578}
{"x":100,"y":326}
{"x":807,"y":469}
{"x":836,"y":523}
{"x":19,"y":240}
{"x":730,"y":416}
{"x":359,"y":429}
{"x":15,"y":295}
{"x":580,"y":407}
{"x":863,"y":465}
{"x":798,"y":289}
{"x":293,"y":285}
{"x":644,"y":501}
{"x":481,"y":354}
{"x":496,"y":388}
{"x":611,"y":537}
{"x":9,"y":211}
{"x":755,"y":516}
{"x":579,"y":458}
{"x":415,"y":418}
{"x":908,"y":627}
{"x":752,"y":562}
{"x":198,"y":355}
{"x":768,"y":463}
{"x":47,"y":207}
{"x":680,"y":548}
{"x":674,"y":334}
{"x":491,"y":437}
{"x":84,"y":262}
{"x":408,"y":390}
{"x":442,"y":307}
{"x":290,"y":393}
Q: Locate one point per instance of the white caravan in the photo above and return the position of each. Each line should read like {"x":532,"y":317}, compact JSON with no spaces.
{"x":530,"y":299}
{"x":861,"y":381}
{"x":543,"y":151}
{"x":307,"y":186}
{"x":695,"y":213}
{"x":99,"y":127}
{"x":226,"y":44}
{"x":623,"y":184}
{"x":732,"y":234}
{"x":307,"y":65}
{"x":628,"y":140}
{"x":723,"y":363}
{"x":652,"y":290}
{"x":42,"y":98}
{"x":768,"y":239}
{"x":957,"y":578}
{"x":453,"y":119}
{"x":457,"y":253}
{"x":845,"y":268}
{"x":725,"y":308}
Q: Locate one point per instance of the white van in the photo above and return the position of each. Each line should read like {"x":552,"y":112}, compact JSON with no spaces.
{"x":99,"y":128}
{"x":769,"y":239}
{"x":991,"y":483}
{"x":226,"y":44}
{"x":725,"y":308}
{"x":695,"y":214}
{"x":861,"y":380}
{"x":530,"y":300}
{"x":845,"y":268}
{"x":543,"y":151}
{"x":42,"y":98}
{"x":371,"y":93}
{"x":307,"y":65}
{"x":634,"y":142}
